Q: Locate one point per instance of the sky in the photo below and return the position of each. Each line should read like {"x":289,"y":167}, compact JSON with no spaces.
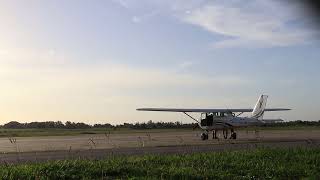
{"x":97,"y":61}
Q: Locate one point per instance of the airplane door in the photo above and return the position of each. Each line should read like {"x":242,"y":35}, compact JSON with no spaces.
{"x":210,"y":120}
{"x":206,"y":119}
{"x":203,"y":119}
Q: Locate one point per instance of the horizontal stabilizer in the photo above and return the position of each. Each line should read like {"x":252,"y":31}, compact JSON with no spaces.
{"x":271,"y":121}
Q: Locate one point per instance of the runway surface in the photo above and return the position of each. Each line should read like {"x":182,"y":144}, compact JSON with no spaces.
{"x":39,"y":149}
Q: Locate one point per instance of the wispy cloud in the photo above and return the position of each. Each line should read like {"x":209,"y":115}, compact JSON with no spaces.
{"x":122,"y":3}
{"x":185,"y":64}
{"x":63,"y":68}
{"x":144,"y":17}
{"x":250,"y":24}
{"x":147,"y":9}
{"x":60,"y":88}
{"x":21,"y":57}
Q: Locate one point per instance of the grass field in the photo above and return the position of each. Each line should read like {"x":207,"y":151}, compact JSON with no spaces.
{"x":71,"y":132}
{"x":257,"y":164}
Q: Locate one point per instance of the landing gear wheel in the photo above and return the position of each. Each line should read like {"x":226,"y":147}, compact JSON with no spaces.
{"x":204,"y":136}
{"x":214,"y":134}
{"x":233,"y":135}
{"x":225,"y":134}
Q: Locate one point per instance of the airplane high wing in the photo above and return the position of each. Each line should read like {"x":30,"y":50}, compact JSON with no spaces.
{"x":217,"y":119}
{"x":207,"y":110}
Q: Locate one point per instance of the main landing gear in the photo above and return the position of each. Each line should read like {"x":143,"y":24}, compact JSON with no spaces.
{"x":226,"y":133}
{"x":214,"y":134}
{"x":205,"y":135}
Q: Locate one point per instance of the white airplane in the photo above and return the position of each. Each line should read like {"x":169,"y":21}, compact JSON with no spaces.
{"x":226,"y":119}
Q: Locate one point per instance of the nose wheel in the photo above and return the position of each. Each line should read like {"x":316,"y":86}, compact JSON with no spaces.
{"x":233,"y":134}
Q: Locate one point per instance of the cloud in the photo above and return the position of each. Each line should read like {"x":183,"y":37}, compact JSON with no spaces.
{"x":42,"y":72}
{"x":45,"y":84}
{"x":146,"y":9}
{"x":238,"y":23}
{"x":136,"y":19}
{"x":122,"y":3}
{"x":30,"y":57}
{"x":115,"y":77}
{"x":29,"y":63}
{"x":185,"y":65}
{"x":253,"y":23}
{"x":144,"y":17}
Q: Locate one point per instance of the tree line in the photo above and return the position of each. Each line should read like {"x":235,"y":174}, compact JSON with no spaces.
{"x":72,"y":125}
{"x":144,"y":125}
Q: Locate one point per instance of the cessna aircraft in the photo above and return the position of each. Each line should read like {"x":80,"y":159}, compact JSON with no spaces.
{"x":226,"y":119}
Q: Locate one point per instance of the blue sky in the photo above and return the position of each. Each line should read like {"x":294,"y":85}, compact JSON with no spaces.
{"x":98,"y":61}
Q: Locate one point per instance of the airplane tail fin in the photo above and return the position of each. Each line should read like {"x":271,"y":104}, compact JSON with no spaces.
{"x":259,"y":108}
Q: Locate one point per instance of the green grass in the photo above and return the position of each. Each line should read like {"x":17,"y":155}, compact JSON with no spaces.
{"x":257,"y":164}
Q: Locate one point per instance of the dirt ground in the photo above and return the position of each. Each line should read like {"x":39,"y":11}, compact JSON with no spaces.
{"x":98,"y":146}
{"x":153,"y":139}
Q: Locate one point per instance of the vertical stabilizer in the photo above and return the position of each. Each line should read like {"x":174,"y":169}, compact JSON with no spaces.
{"x":259,"y":108}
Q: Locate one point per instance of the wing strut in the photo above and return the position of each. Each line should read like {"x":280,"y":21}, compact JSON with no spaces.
{"x":239,"y":114}
{"x":191,"y":117}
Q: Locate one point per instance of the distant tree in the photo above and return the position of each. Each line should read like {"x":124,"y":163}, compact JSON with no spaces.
{"x":149,"y":125}
{"x":82,"y":126}
{"x":13,"y":125}
{"x":103,"y":125}
{"x":70,"y":125}
{"x":59,"y":124}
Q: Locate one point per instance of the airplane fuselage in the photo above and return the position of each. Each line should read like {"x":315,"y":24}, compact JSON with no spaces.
{"x":217,"y":123}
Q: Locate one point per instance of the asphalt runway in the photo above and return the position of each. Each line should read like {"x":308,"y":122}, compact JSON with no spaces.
{"x":39,"y":149}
